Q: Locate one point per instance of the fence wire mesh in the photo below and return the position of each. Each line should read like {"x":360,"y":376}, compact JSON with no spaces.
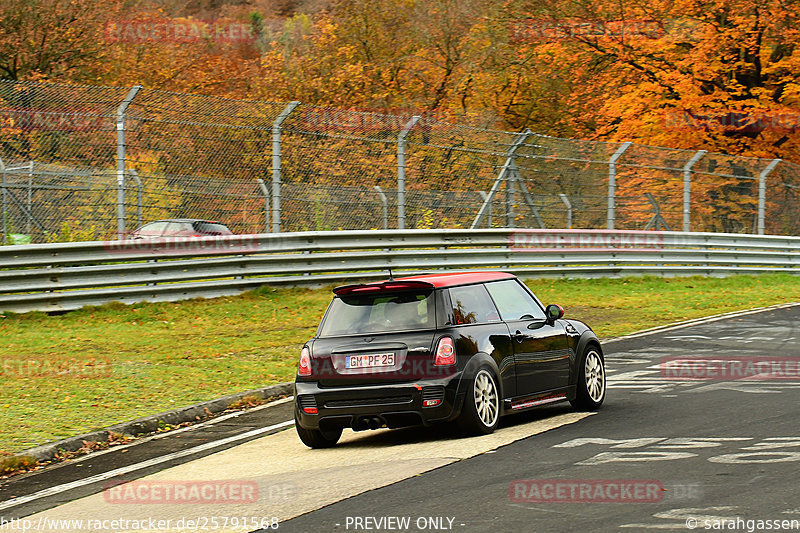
{"x":79,"y":164}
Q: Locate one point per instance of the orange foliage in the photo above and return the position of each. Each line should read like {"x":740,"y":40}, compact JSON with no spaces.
{"x":720,"y":75}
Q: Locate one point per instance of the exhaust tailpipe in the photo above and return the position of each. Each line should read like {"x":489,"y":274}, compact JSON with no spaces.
{"x":368,"y":422}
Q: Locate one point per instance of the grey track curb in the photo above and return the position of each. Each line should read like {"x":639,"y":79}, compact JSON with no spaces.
{"x":150,"y":424}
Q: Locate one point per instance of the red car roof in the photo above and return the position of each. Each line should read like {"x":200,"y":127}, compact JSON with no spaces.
{"x":448,"y":279}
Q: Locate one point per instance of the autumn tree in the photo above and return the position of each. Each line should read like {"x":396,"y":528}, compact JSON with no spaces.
{"x":59,"y":39}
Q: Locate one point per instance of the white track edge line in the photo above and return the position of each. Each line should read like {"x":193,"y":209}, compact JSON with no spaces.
{"x":138,"y":466}
{"x":699,"y":321}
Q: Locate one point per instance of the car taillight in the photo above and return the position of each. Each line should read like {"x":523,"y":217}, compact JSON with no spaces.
{"x":304,"y":368}
{"x":445,"y":352}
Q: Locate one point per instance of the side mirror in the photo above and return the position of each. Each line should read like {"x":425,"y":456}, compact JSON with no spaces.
{"x":553,"y":312}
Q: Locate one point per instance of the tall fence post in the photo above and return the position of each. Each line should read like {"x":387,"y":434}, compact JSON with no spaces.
{"x":401,"y":171}
{"x":687,"y":189}
{"x":123,"y":106}
{"x":501,"y":177}
{"x":612,"y":183}
{"x":762,"y":194}
{"x":265,"y":192}
{"x":276,"y":165}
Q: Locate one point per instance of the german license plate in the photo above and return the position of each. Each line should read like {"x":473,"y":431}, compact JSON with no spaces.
{"x":369,"y":360}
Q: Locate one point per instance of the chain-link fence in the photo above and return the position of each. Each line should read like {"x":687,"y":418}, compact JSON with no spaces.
{"x":91,"y":163}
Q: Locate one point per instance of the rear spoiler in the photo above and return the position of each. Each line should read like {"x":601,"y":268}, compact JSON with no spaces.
{"x":383,"y":286}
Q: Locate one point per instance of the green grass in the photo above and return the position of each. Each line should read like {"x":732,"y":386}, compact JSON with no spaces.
{"x":167,"y":355}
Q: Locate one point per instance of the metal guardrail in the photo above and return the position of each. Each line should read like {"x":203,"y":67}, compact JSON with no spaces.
{"x":65,"y":276}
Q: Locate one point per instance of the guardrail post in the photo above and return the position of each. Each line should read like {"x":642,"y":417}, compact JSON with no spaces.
{"x":265,"y":192}
{"x":762,"y":194}
{"x":569,"y":209}
{"x":276,"y":165}
{"x":384,"y":207}
{"x":123,"y":106}
{"x":612,"y":183}
{"x":501,"y":177}
{"x":687,"y":189}
{"x":401,"y":171}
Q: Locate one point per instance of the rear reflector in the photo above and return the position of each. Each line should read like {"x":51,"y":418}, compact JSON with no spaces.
{"x":431,"y":403}
{"x":310,"y":410}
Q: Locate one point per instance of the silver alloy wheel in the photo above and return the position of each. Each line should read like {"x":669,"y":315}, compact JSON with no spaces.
{"x":487,"y":402}
{"x":595,"y":376}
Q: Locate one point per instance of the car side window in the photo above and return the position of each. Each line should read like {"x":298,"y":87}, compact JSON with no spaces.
{"x":514,"y":302}
{"x":472,"y":305}
{"x":177,"y":227}
{"x":154,"y":228}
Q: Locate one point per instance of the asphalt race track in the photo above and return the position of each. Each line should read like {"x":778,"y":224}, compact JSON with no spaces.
{"x":676,"y":446}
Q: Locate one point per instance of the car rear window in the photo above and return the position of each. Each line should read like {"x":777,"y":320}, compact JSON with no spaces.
{"x":379,"y":313}
{"x":210,"y":228}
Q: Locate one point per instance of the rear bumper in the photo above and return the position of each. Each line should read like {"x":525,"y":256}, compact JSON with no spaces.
{"x":394,"y":405}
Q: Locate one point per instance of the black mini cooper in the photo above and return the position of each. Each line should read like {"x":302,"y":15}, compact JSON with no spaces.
{"x":468,"y":347}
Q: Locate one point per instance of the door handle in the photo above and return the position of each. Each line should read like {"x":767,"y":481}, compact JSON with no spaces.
{"x":519,"y":336}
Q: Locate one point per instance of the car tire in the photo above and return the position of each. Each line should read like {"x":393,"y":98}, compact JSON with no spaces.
{"x":590,"y":389}
{"x":315,"y":438}
{"x":480,"y":413}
